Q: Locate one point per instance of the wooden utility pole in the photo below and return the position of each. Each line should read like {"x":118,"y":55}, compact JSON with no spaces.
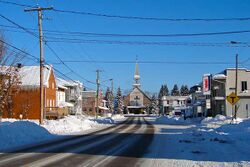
{"x":97,"y":92}
{"x":39,"y":12}
{"x":236,"y":84}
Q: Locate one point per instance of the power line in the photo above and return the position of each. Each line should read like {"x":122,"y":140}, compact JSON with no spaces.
{"x":119,"y":42}
{"x":20,"y":50}
{"x":80,"y":40}
{"x":16,"y":4}
{"x":90,"y":34}
{"x":152,"y":62}
{"x":136,"y":17}
{"x":152,"y":18}
{"x":20,"y":27}
{"x":50,"y":48}
{"x":37,"y":59}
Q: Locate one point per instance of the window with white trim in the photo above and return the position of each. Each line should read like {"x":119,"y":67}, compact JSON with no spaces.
{"x":243,"y":86}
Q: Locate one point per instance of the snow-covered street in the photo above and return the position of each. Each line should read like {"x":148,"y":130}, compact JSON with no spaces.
{"x":140,"y":141}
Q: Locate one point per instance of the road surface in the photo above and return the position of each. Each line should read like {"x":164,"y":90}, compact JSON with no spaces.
{"x":120,"y":145}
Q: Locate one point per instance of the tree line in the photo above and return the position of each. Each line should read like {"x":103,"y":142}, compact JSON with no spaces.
{"x":183,"y":91}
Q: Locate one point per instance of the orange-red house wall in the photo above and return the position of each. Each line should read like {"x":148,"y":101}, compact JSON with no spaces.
{"x":27,"y":101}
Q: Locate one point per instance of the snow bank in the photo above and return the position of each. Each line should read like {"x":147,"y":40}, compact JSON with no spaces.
{"x":237,"y":130}
{"x":69,"y":125}
{"x":15,"y":133}
{"x":219,"y":120}
{"x":78,"y":124}
{"x":171,"y":120}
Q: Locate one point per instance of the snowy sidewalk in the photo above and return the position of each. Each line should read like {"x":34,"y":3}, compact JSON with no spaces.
{"x":213,"y":142}
{"x":16,"y":133}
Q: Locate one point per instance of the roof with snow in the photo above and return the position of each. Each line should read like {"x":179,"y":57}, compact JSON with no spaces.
{"x":30,"y":75}
{"x":67,"y":83}
{"x":175,"y":97}
{"x":88,"y":94}
{"x":219,"y":76}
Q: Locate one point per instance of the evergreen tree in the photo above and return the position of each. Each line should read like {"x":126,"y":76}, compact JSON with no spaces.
{"x":175,"y":91}
{"x":184,"y":91}
{"x":153,"y":105}
{"x":160,"y":93}
{"x":160,"y":96}
{"x":119,"y":101}
{"x":109,"y":98}
{"x":165,"y":91}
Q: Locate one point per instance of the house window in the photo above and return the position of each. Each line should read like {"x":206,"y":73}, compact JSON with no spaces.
{"x":137,"y":98}
{"x":50,"y":103}
{"x":53,"y":85}
{"x":243,"y":85}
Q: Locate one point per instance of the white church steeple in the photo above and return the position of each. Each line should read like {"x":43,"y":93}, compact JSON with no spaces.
{"x":137,"y":75}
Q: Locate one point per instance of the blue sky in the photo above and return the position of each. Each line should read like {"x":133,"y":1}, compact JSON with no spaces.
{"x":152,"y":75}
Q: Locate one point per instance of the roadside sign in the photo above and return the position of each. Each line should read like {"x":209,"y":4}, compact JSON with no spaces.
{"x":208,"y":104}
{"x":206,"y":82}
{"x":233,"y":98}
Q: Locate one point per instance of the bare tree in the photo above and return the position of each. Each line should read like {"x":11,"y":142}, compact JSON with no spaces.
{"x":9,"y":78}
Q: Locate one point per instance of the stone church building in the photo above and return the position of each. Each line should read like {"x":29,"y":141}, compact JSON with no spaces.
{"x":137,"y":101}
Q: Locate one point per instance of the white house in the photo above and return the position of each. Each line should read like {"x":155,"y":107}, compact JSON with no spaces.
{"x":73,"y":94}
{"x":171,"y":103}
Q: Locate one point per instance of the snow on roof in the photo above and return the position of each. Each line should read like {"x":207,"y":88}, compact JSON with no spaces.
{"x":30,"y":75}
{"x":88,"y":94}
{"x":65,"y":104}
{"x":238,"y":69}
{"x":219,"y":76}
{"x":67,"y":83}
{"x":174,"y":97}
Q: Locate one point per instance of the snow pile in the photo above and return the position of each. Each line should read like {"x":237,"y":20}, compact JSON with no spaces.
{"x":223,"y":128}
{"x":68,"y":125}
{"x":219,"y":120}
{"x":118,"y":117}
{"x":171,"y":120}
{"x":78,"y":124}
{"x":239,"y":131}
{"x":14,"y":133}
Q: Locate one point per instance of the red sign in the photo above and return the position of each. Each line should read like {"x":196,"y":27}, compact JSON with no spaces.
{"x":206,"y":84}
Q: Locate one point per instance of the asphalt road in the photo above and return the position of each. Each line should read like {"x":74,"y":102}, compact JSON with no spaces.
{"x":120,"y":145}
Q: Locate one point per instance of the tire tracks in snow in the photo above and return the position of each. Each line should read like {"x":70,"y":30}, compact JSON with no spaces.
{"x":45,"y":150}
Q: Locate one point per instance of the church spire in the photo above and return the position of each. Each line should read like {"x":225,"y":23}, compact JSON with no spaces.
{"x":137,"y":75}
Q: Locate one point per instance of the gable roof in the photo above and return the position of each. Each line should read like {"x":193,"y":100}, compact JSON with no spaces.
{"x":67,"y":83}
{"x":30,"y":75}
{"x":144,"y":94}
